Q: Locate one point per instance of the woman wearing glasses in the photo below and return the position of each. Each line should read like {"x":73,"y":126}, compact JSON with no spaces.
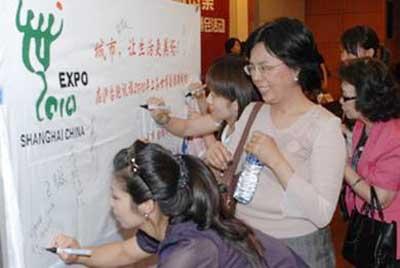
{"x":372,"y":97}
{"x":360,"y":41}
{"x":299,"y":143}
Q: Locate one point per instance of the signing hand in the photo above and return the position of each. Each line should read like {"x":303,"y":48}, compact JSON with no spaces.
{"x":161,"y":116}
{"x":63,"y":241}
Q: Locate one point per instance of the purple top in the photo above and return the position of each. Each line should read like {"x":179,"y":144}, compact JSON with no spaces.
{"x":186,"y":246}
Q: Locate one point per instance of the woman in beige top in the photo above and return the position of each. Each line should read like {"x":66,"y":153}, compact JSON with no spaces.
{"x":299,"y":143}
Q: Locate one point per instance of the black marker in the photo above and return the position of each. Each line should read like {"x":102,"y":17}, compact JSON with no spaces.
{"x":194,"y":92}
{"x":154,"y":107}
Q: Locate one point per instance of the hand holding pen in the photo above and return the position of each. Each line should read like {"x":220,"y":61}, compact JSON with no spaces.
{"x":196,"y":90}
{"x":63,"y":242}
{"x":158,"y":109}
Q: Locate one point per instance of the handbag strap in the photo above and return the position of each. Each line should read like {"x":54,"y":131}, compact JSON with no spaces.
{"x":230,"y":172}
{"x":355,"y":158}
{"x":359,"y":149}
{"x":375,"y":204}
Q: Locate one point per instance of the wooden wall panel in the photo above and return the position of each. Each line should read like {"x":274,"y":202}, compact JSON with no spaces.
{"x":364,"y":6}
{"x":323,"y":6}
{"x":329,"y":18}
{"x":326,"y":28}
{"x":375,"y":20}
{"x":394,"y":43}
{"x":330,"y":52}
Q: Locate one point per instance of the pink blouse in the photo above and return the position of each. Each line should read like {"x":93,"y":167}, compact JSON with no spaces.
{"x":379,"y":165}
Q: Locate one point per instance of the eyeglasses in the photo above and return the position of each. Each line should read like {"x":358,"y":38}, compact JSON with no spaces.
{"x":345,"y":99}
{"x":262,"y":68}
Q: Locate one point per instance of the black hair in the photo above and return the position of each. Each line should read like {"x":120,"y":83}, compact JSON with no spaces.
{"x":365,"y":37}
{"x":230,"y":43}
{"x":293,"y":43}
{"x":378,"y":94}
{"x":396,"y":71}
{"x":226,"y":78}
{"x":185,"y":189}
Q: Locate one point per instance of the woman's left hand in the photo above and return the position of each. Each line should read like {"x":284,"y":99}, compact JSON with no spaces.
{"x":265,"y":149}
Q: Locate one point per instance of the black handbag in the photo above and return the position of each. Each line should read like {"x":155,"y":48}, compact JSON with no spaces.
{"x":370,"y":242}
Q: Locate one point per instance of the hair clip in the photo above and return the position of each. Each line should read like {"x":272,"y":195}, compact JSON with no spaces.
{"x":183,"y":176}
{"x":135,"y":166}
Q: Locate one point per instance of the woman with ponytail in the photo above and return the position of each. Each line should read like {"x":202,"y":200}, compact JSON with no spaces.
{"x":362,"y":41}
{"x":173,"y":200}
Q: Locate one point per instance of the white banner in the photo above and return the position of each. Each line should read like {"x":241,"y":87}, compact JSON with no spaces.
{"x":72,"y":76}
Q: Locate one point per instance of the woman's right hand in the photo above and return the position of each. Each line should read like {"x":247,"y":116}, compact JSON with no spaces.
{"x":161,"y":116}
{"x":64,"y":241}
{"x":218,"y":156}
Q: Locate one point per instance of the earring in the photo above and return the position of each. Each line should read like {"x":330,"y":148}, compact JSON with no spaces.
{"x":296,"y":78}
{"x":146,"y":216}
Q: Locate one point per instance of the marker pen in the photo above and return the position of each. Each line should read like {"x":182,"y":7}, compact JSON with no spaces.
{"x":154,"y":107}
{"x":72,"y":251}
{"x":195,"y":92}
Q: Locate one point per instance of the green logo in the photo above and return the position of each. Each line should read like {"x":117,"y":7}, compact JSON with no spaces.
{"x":41,"y":38}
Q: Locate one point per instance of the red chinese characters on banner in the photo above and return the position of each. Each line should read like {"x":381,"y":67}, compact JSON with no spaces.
{"x":112,"y":93}
{"x":136,"y":47}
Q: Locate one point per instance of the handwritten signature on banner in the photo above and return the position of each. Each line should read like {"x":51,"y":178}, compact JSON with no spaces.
{"x":66,"y":175}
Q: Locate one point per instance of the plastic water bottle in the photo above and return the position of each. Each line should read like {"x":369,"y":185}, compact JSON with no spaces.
{"x":248,"y":179}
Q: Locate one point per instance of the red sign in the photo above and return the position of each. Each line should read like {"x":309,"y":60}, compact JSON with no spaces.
{"x":214,"y":29}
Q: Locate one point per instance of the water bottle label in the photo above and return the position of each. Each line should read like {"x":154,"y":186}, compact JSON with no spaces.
{"x":253,"y":160}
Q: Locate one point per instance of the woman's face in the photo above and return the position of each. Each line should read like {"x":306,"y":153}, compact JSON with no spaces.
{"x":344,"y":55}
{"x":361,"y":52}
{"x":125,"y":210}
{"x":221,"y":108}
{"x":273,"y":78}
{"x":348,"y":101}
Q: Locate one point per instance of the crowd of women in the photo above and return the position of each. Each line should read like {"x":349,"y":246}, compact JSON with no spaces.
{"x":174,"y":200}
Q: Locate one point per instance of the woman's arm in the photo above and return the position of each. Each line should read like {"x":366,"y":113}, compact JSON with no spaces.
{"x":313,"y":198}
{"x":107,"y":255}
{"x":362,"y":188}
{"x":199,"y":126}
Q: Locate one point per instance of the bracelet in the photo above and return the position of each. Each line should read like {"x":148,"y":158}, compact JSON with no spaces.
{"x":355,"y":183}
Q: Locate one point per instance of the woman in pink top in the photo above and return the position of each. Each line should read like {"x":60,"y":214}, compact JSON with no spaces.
{"x":371,"y":96}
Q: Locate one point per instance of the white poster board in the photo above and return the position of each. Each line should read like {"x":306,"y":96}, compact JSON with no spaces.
{"x":72,"y":76}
